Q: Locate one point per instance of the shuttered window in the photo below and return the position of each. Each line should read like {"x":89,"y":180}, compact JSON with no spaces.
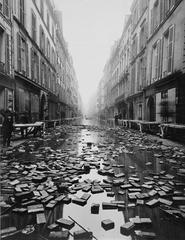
{"x":42,"y":40}
{"x":6,"y":8}
{"x":22,"y":11}
{"x":33,"y":26}
{"x":151,"y":21}
{"x":157,"y":62}
{"x":170,"y":48}
{"x":34,"y":65}
{"x":42,"y":8}
{"x":27,"y":59}
{"x":22,"y":55}
{"x":168,"y":51}
{"x":18,"y":52}
{"x":7,"y":53}
{"x":42,"y":72}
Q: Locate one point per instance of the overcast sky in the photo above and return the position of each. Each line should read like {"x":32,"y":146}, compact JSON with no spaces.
{"x":90,"y":27}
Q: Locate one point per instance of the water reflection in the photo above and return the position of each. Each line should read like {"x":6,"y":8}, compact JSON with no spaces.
{"x":101,"y":150}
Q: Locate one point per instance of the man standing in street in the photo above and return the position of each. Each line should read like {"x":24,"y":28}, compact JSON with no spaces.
{"x":7,"y":127}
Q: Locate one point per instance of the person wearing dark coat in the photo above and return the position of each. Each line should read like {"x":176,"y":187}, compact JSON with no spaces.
{"x":7,"y":129}
{"x":116,"y":119}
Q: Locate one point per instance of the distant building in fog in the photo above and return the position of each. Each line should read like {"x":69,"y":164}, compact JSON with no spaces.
{"x":144,"y":77}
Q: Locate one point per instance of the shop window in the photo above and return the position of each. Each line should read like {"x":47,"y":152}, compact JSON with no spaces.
{"x":34,"y":103}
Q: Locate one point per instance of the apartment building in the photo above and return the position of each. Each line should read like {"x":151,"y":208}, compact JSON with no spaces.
{"x":138,"y":60}
{"x":124,"y":76}
{"x":151,"y":76}
{"x":34,"y":37}
{"x":37,"y":76}
{"x":6,"y":69}
{"x":165,"y":91}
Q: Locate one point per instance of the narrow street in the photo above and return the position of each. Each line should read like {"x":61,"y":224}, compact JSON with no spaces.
{"x":132,"y":177}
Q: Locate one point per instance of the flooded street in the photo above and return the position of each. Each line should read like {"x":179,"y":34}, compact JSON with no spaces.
{"x":88,"y":174}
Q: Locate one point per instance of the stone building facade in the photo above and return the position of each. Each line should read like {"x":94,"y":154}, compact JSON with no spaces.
{"x":41,"y":62}
{"x":151,"y":77}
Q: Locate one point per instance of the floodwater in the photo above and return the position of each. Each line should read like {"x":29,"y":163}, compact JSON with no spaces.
{"x":128,"y":152}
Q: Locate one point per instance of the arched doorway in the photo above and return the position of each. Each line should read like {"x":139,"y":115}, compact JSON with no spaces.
{"x":131,"y":111}
{"x":151,"y":109}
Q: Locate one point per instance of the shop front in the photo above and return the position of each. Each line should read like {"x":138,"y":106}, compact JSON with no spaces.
{"x":27,"y":101}
{"x":6,"y":93}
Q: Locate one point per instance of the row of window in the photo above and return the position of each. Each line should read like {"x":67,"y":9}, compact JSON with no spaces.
{"x":143,"y":35}
{"x":162,"y":55}
{"x":160,"y":11}
{"x":44,"y":42}
{"x":138,"y":11}
{"x":161,"y":62}
{"x":45,"y":76}
{"x":48,"y":20}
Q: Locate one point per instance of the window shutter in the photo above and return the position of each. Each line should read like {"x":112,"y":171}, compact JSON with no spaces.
{"x":138,"y":75}
{"x":27,"y":60}
{"x":161,"y":57}
{"x":32,"y":63}
{"x":7,"y":54}
{"x":22,"y":11}
{"x":6,"y":8}
{"x":170,"y":48}
{"x":40,"y":37}
{"x":45,"y":75}
{"x":37,"y":68}
{"x":18,"y":52}
{"x":157,"y":59}
{"x":152,"y":22}
{"x":41,"y":76}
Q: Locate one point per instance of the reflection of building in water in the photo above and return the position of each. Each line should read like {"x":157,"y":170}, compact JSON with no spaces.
{"x":157,"y":165}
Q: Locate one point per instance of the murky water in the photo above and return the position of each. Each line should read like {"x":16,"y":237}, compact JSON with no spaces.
{"x":110,"y":150}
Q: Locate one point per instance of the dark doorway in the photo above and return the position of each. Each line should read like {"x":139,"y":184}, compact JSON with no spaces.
{"x":131,"y":111}
{"x":42,"y":107}
{"x":151,"y":109}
